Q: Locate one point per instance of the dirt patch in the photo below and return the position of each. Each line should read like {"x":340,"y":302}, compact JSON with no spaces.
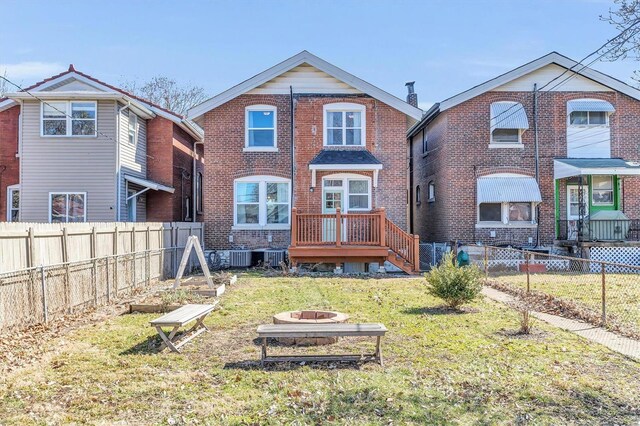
{"x":546,"y":303}
{"x":535,"y":334}
{"x":20,"y":348}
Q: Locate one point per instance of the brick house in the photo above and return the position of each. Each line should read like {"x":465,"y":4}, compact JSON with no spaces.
{"x":73,"y":148}
{"x":308,"y":157}
{"x":544,"y":154}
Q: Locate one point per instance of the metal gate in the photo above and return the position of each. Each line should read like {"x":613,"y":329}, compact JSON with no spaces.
{"x":431,"y":254}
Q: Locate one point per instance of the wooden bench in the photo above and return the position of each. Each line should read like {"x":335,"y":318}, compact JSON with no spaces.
{"x":179,"y":318}
{"x":266,"y":331}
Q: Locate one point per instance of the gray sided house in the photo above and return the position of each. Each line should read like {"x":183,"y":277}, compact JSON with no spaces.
{"x":82,"y":151}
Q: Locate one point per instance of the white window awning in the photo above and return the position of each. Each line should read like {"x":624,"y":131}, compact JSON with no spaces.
{"x":508,"y":190}
{"x":148,"y":184}
{"x":594,"y":105}
{"x":569,"y":167}
{"x":508,"y":115}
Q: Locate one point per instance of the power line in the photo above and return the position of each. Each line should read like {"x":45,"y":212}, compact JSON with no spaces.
{"x":571,"y":69}
{"x":55,"y":108}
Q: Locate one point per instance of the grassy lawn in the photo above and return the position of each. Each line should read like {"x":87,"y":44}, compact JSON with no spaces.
{"x":622,"y":291}
{"x":441,"y":368}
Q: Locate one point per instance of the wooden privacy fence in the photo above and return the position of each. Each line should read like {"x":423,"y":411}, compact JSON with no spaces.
{"x":100,"y":263}
{"x":27,"y":245}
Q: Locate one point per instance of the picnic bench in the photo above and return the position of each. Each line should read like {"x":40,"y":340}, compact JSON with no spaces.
{"x":178,"y":319}
{"x":266,"y":331}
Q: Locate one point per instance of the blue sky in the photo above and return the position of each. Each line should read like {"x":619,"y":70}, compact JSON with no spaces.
{"x":446,"y":46}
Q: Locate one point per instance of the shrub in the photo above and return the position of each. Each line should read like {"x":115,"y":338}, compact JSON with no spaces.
{"x":455,"y":285}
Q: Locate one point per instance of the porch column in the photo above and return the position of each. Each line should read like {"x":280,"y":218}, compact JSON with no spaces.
{"x":294,"y":226}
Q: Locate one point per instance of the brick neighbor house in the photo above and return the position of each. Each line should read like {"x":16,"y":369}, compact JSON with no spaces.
{"x":75,"y":149}
{"x":545,"y":154}
{"x":307,"y":157}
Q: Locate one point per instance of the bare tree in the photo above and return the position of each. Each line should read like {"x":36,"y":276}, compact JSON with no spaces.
{"x":4,"y":87}
{"x":167,"y":93}
{"x":625,"y":16}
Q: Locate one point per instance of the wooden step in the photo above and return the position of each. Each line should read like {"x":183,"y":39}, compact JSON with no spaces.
{"x":401,"y":263}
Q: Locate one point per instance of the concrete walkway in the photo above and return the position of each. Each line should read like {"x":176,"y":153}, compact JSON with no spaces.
{"x":620,"y":344}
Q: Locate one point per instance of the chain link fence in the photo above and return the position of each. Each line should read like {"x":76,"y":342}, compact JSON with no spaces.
{"x":601,"y":293}
{"x":431,"y":254}
{"x":37,"y":295}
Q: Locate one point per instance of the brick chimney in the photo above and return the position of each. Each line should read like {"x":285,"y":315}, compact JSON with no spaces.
{"x":412,"y":96}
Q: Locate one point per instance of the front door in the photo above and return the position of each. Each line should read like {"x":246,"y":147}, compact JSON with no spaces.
{"x":332,"y":200}
{"x":573,"y":209}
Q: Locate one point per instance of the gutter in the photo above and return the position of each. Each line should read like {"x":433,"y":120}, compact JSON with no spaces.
{"x":428,"y":117}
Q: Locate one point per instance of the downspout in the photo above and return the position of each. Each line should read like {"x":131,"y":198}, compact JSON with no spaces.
{"x":411,"y":190}
{"x":195,"y":178}
{"x":537,"y":155}
{"x":8,"y":206}
{"x":118,"y":183}
{"x":293,"y":148}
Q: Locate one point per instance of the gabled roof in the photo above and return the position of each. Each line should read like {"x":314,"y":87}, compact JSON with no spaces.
{"x":294,"y":61}
{"x":144,"y":106}
{"x":548,"y":59}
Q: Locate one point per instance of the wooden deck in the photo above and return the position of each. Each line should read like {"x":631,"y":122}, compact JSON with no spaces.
{"x":360,"y":237}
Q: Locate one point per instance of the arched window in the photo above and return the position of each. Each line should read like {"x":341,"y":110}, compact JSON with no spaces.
{"x":262,"y":202}
{"x":432,"y":191}
{"x":261,"y":130}
{"x":418,"y":195}
{"x":508,"y":121}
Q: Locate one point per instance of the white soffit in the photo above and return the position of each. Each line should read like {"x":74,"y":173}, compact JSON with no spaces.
{"x":551,"y":58}
{"x":305,"y":57}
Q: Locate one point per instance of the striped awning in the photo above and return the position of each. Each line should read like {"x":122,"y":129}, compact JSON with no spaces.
{"x":508,"y":189}
{"x":508,"y":115}
{"x":595,"y":105}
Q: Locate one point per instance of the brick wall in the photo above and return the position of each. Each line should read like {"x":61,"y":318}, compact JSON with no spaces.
{"x":462,"y":135}
{"x":9,"y":163}
{"x":169,"y":162}
{"x":225,"y":140}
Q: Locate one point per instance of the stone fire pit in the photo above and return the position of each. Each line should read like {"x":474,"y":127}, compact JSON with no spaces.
{"x":309,"y":317}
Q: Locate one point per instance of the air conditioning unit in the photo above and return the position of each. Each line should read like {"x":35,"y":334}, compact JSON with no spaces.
{"x":273,"y":257}
{"x":239,"y":258}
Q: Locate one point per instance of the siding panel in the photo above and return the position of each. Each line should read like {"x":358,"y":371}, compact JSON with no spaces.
{"x":68,"y":165}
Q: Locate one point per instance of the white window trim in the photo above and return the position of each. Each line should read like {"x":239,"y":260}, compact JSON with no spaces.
{"x":346,"y":177}
{"x":504,"y":213}
{"x":69,"y":119}
{"x":248,"y":148}
{"x":84,"y":194}
{"x":431,"y":196}
{"x":135,"y":128}
{"x":345,"y":107}
{"x":586,"y":211}
{"x":613,"y":192}
{"x":262,"y":224}
{"x":10,"y":190}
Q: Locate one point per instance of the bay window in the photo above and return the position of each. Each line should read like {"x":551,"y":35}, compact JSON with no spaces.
{"x":262,"y":201}
{"x":344,"y":124}
{"x":67,"y":207}
{"x":68,"y":118}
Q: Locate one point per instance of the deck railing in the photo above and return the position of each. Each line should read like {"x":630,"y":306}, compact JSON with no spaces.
{"x":353,"y":229}
{"x":337,"y":229}
{"x":405,"y":245}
